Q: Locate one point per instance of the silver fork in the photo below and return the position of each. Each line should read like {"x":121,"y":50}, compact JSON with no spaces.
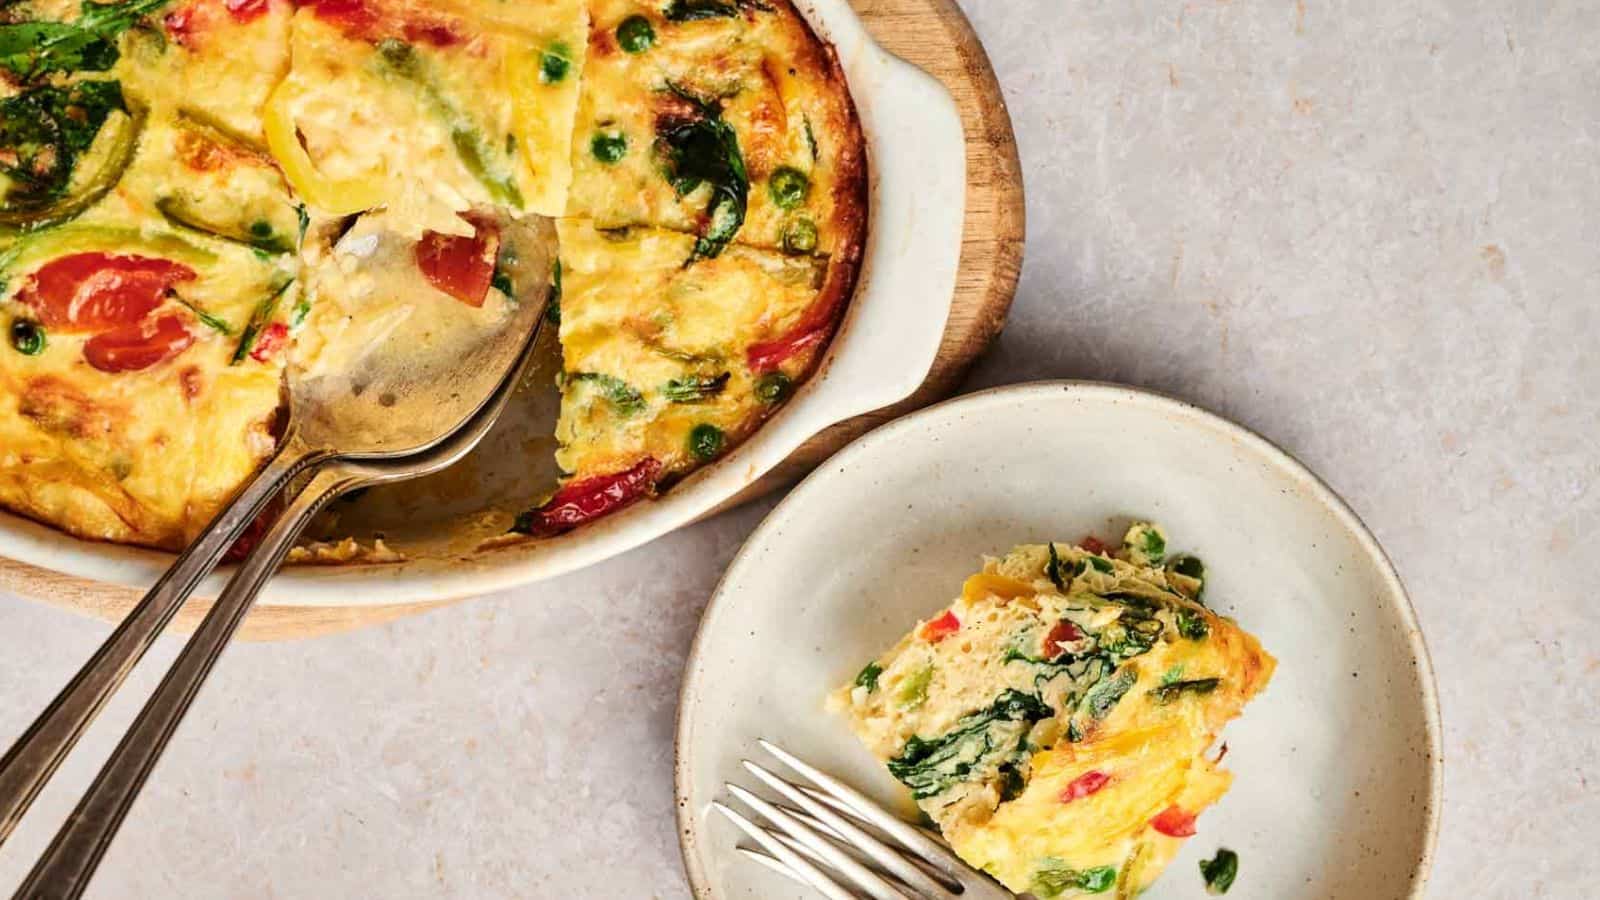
{"x":847,"y":847}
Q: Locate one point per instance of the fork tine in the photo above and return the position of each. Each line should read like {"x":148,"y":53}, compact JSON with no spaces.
{"x":799,"y":869}
{"x":849,"y":812}
{"x":910,"y":837}
{"x":800,"y":848}
{"x":827,"y":831}
{"x":880,"y":853}
{"x":816,"y":824}
{"x":773,"y":863}
{"x":860,"y":875}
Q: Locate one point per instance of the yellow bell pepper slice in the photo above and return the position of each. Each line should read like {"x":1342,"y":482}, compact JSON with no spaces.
{"x":333,"y":196}
{"x":537,"y":111}
{"x":983,"y":585}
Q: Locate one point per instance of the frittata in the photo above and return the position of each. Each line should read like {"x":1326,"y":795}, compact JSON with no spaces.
{"x":1057,"y":721}
{"x":200,"y":196}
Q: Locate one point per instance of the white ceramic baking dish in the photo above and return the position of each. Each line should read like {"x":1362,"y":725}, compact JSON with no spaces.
{"x":883,"y":350}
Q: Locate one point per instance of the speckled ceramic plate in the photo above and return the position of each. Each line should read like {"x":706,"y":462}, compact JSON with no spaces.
{"x":1337,"y":768}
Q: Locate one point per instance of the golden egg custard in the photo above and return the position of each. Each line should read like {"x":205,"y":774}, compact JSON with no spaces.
{"x":1057,"y":721}
{"x":200,"y":196}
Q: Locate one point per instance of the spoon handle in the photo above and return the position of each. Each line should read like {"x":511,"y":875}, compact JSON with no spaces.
{"x":34,"y":757}
{"x":65,"y":867}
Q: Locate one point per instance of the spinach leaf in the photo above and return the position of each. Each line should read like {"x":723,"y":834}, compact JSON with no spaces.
{"x":43,"y":132}
{"x":993,"y":735}
{"x":209,"y":320}
{"x":1190,"y":567}
{"x":1144,"y":544}
{"x":691,"y":10}
{"x":1167,"y":693}
{"x":1220,"y":871}
{"x":31,"y":49}
{"x":1103,"y":697}
{"x":620,"y":394}
{"x":1059,"y":572}
{"x":259,"y":319}
{"x":552,"y":312}
{"x":1054,"y":877}
{"x":1132,"y":634}
{"x":868,"y":677}
{"x":1011,"y":782}
{"x":703,"y":149}
{"x":1100,"y":563}
{"x":1192,"y":625}
{"x":695,"y":388}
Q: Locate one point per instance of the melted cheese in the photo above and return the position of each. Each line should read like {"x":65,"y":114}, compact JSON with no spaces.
{"x":1106,"y":722}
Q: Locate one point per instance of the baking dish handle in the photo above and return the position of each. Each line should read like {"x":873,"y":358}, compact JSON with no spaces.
{"x":917,"y":159}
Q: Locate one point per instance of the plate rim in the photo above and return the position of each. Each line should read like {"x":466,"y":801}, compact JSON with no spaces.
{"x":1279,"y":457}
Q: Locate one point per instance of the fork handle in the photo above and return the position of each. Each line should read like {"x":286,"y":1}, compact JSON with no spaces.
{"x":63,"y":871}
{"x":34,"y":757}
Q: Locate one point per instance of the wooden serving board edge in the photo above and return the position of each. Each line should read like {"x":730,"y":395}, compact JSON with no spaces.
{"x":931,"y":34}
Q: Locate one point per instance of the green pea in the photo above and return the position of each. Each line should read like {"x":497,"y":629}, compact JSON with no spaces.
{"x":636,"y":34}
{"x":705,"y":442}
{"x":800,"y":236}
{"x":261,"y":228}
{"x":773,"y":387}
{"x":609,"y":147}
{"x":27,"y":336}
{"x":554,"y":63}
{"x":788,"y":187}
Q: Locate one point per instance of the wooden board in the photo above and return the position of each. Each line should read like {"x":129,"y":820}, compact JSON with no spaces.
{"x":934,"y":35}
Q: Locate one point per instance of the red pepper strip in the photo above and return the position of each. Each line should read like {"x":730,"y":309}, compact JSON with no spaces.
{"x":462,"y":267}
{"x":812,"y":328}
{"x":91,"y":291}
{"x":768,"y":355}
{"x":139,"y":346}
{"x":271,"y":340}
{"x":1064,"y":633}
{"x":1174,"y":822}
{"x":1092,"y":544}
{"x":189,"y":23}
{"x":1084,"y":785}
{"x":938,"y":629}
{"x":591,"y":498}
{"x":246,"y":10}
{"x":366,"y":21}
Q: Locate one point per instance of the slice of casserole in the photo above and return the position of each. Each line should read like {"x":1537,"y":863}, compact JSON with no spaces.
{"x":1055,"y":721}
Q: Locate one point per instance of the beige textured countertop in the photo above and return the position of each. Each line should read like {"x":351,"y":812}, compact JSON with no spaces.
{"x":1370,"y":231}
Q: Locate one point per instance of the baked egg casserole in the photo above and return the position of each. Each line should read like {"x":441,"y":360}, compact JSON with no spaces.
{"x":1057,"y":721}
{"x":200,"y":198}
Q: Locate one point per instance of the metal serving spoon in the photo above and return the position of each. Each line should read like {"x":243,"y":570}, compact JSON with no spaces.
{"x":413,"y":408}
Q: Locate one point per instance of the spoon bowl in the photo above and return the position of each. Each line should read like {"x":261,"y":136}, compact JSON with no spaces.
{"x":436,"y":369}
